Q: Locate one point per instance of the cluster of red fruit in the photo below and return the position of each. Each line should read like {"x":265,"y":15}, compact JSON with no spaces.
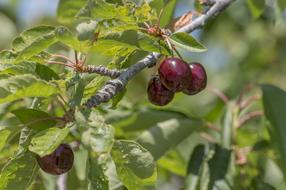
{"x":58,"y":162}
{"x":175,"y":75}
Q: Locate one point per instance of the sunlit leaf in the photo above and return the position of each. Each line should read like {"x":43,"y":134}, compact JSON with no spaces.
{"x":47,"y":141}
{"x":7,"y":57}
{"x":67,"y":10}
{"x":102,"y":10}
{"x":256,"y":7}
{"x":23,"y":86}
{"x":135,"y":166}
{"x":19,"y":172}
{"x":168,"y":12}
{"x":187,"y":42}
{"x":99,"y":137}
{"x":4,"y":135}
{"x":157,"y":5}
{"x":18,"y":69}
{"x":27,"y":37}
{"x":96,"y":176}
{"x":37,"y":46}
{"x":65,"y":36}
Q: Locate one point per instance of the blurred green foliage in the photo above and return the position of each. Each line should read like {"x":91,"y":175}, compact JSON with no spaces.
{"x":246,"y":47}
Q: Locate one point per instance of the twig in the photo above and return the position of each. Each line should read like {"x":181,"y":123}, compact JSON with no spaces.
{"x":208,"y":137}
{"x":248,"y":117}
{"x":101,"y":70}
{"x":112,"y":87}
{"x":63,"y":57}
{"x":212,"y":126}
{"x":219,"y":94}
{"x":59,"y":63}
{"x":244,"y":104}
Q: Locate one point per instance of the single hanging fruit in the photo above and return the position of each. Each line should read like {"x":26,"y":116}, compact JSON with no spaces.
{"x":158,"y":94}
{"x":59,"y":162}
{"x":199,"y":79}
{"x":175,"y":74}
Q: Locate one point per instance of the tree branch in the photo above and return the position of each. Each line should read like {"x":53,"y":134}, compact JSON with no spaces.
{"x":112,"y":87}
{"x":112,"y":73}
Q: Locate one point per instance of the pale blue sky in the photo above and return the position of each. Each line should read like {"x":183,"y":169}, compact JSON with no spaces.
{"x":29,"y":11}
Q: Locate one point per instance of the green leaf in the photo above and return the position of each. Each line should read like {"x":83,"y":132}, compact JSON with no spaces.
{"x":144,"y":118}
{"x":187,"y":42}
{"x":117,"y":98}
{"x":86,"y":30}
{"x":227,"y":126}
{"x":46,"y":73}
{"x":80,"y":163}
{"x":99,"y":137}
{"x":110,"y":47}
{"x":135,"y":166}
{"x":19,"y":172}
{"x":274,"y":101}
{"x":151,"y":44}
{"x":18,"y":69}
{"x":100,"y":9}
{"x":7,"y":57}
{"x":166,"y":135}
{"x":37,"y":46}
{"x":47,"y":141}
{"x":33,"y":41}
{"x":256,"y":7}
{"x":173,"y":162}
{"x":65,"y":36}
{"x":144,"y":13}
{"x":25,"y":138}
{"x":194,"y":167}
{"x":219,"y":165}
{"x":27,"y":37}
{"x":157,"y":5}
{"x":34,"y":119}
{"x":92,"y":87}
{"x":23,"y":86}
{"x":67,"y":10}
{"x":4,"y":135}
{"x":96,"y":176}
{"x":114,"y":18}
{"x":78,"y":94}
{"x":168,"y":12}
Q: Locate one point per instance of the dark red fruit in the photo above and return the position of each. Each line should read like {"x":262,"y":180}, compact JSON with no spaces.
{"x":59,"y":162}
{"x":199,"y":79}
{"x":159,"y":94}
{"x":175,"y":74}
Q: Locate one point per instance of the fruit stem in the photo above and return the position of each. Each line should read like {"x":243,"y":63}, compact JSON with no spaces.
{"x":60,"y":63}
{"x":219,"y":94}
{"x":63,"y":57}
{"x":248,"y":117}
